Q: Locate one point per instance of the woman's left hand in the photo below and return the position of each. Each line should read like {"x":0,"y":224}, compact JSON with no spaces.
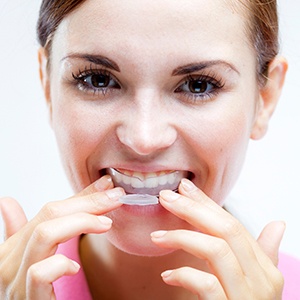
{"x":239,"y":266}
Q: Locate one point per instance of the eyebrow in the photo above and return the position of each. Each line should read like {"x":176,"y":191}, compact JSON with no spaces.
{"x":194,"y":67}
{"x":96,"y":59}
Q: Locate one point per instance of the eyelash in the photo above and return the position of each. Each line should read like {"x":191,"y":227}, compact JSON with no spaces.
{"x":82,"y":77}
{"x":210,"y":81}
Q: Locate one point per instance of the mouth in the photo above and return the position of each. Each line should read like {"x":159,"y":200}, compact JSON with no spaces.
{"x":146,"y":183}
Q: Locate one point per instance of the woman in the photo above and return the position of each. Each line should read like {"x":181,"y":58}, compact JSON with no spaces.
{"x":156,"y":97}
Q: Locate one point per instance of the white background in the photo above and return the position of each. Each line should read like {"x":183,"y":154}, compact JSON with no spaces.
{"x":30,"y":170}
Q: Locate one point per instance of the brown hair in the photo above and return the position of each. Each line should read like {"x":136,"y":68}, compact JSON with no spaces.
{"x":52,"y":12}
{"x":262,"y":26}
{"x":263,"y":32}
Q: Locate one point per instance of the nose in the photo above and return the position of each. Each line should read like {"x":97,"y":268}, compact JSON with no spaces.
{"x":147,"y":128}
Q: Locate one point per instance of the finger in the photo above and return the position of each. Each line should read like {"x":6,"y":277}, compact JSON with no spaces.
{"x":41,"y":275}
{"x":13,"y":216}
{"x":99,"y":202}
{"x":270,"y":240}
{"x":104,"y":183}
{"x":207,"y":216}
{"x":96,"y":204}
{"x":47,"y":235}
{"x":206,"y":286}
{"x":216,"y":251}
{"x":235,"y":232}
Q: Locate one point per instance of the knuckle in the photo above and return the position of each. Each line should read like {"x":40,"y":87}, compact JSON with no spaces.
{"x":61,"y":260}
{"x":96,"y":204}
{"x":42,"y":233}
{"x":50,"y":211}
{"x":232,"y":228}
{"x":219,"y":249}
{"x":34,"y":274}
{"x":211,"y":284}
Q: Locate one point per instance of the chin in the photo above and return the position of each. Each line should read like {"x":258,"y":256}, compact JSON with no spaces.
{"x":132,"y":227}
{"x":135,"y":246}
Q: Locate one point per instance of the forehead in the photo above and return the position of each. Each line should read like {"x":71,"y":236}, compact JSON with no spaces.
{"x":183,"y":27}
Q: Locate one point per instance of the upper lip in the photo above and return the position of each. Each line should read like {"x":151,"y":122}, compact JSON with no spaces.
{"x":146,"y":170}
{"x":143,"y":169}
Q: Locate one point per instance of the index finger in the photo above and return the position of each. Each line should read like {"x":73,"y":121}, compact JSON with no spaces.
{"x":90,"y":200}
{"x":97,"y":199}
{"x":205,"y":215}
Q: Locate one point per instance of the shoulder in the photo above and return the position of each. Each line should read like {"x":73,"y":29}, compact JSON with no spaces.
{"x":290,"y":268}
{"x":72,"y":287}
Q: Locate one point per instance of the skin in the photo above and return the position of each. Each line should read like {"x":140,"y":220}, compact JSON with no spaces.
{"x":148,"y":120}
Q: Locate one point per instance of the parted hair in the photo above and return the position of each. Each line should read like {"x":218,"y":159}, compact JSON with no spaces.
{"x":261,"y":19}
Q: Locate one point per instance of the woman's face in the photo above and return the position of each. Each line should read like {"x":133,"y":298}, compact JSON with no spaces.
{"x":151,"y":86}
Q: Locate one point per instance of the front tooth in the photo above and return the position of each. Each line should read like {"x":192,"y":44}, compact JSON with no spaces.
{"x":171,"y":178}
{"x":162,"y":180}
{"x":139,"y":176}
{"x":137,"y":183}
{"x":151,"y":182}
{"x":150,"y":175}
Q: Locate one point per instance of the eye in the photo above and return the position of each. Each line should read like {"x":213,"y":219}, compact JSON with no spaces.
{"x":95,"y":81}
{"x":199,"y":87}
{"x":196,"y":86}
{"x":98,"y":81}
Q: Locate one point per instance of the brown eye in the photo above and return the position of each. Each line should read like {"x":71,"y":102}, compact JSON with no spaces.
{"x":198,"y":86}
{"x":98,"y":80}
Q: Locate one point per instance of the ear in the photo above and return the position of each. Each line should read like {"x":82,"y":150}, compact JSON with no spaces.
{"x":45,"y":78}
{"x":268,"y":96}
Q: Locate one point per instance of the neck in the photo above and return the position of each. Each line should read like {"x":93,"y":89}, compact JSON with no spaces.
{"x":113,"y":274}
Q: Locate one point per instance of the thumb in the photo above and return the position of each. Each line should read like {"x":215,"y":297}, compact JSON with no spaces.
{"x":270,"y":239}
{"x":13,"y":216}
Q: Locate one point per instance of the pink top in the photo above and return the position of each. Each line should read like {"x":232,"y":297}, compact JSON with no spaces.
{"x":76,"y":287}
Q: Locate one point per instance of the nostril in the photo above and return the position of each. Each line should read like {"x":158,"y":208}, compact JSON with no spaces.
{"x":145,"y":140}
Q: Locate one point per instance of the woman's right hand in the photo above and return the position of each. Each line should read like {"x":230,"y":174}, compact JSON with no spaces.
{"x":28,"y":263}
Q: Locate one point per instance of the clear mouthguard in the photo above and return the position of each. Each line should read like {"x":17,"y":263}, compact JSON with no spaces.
{"x":139,"y":199}
{"x":146,"y":186}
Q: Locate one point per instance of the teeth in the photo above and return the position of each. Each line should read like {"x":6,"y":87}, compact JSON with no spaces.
{"x":146,"y":183}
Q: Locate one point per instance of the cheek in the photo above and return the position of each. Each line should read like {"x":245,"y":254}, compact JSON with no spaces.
{"x":220,"y":146}
{"x":78,"y":131}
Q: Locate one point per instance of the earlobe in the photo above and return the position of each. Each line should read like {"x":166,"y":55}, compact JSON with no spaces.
{"x":269,"y":95}
{"x":44,"y":77}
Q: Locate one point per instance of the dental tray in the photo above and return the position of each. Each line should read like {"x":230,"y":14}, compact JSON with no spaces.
{"x":139,"y":199}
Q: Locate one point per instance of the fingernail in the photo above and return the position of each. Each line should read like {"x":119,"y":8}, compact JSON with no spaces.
{"x":76,"y":265}
{"x":103,"y":183}
{"x":166,"y":274}
{"x":105,"y":220}
{"x":187,"y":185}
{"x":169,"y":196}
{"x":158,"y":234}
{"x":115,"y":193}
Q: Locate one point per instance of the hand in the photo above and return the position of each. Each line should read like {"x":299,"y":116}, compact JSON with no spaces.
{"x":239,"y":266}
{"x":28,"y":264}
